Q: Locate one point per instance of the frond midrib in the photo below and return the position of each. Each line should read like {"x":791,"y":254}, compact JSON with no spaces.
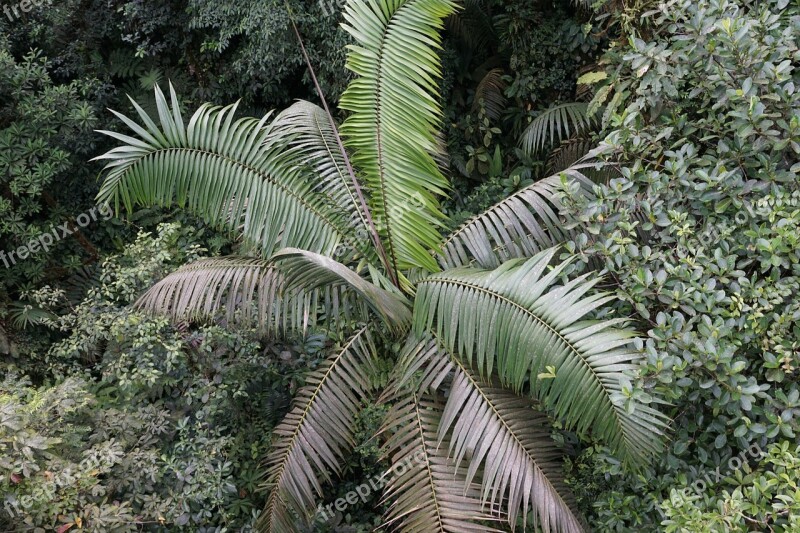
{"x":607,"y":393}
{"x":508,"y":428}
{"x":431,"y":477}
{"x":264,"y":175}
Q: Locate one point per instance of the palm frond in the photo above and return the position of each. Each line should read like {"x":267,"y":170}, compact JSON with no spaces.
{"x":233,"y":173}
{"x":515,"y":321}
{"x":569,"y":152}
{"x":250,"y":291}
{"x":554,"y":125}
{"x":521,"y":225}
{"x":474,"y":26}
{"x":309,"y":271}
{"x":501,"y":435}
{"x":428,"y":492}
{"x":510,"y":443}
{"x":313,"y":439}
{"x":395,"y":115}
{"x":312,"y":137}
{"x":490,"y":93}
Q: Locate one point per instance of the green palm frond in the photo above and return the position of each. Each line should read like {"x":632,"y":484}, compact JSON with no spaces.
{"x":521,"y":225}
{"x":554,"y":125}
{"x":428,"y":493}
{"x":309,"y":271}
{"x":312,"y":138}
{"x":473,"y":25}
{"x":515,"y":321}
{"x":395,"y":115}
{"x":235,"y":174}
{"x":250,"y":291}
{"x":313,"y":439}
{"x":510,"y":443}
{"x":499,"y":434}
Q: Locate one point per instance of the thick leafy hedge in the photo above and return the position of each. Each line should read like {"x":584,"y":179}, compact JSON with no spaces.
{"x":700,"y":233}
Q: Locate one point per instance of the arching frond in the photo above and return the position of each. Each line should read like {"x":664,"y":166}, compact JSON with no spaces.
{"x":490,"y":92}
{"x":428,"y":493}
{"x":250,"y":291}
{"x":516,"y":322}
{"x":309,"y":271}
{"x":510,"y":443}
{"x":312,"y":137}
{"x":521,"y":225}
{"x":474,"y":26}
{"x":312,"y":440}
{"x":395,"y":115}
{"x":499,"y":435}
{"x":554,"y":125}
{"x":233,"y":173}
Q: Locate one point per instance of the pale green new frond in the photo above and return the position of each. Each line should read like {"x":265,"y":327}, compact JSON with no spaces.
{"x":554,"y":125}
{"x":521,"y":225}
{"x":310,"y":271}
{"x":516,"y":321}
{"x":251,"y":292}
{"x":231,"y":172}
{"x":312,"y":441}
{"x":428,"y":493}
{"x":394,"y":119}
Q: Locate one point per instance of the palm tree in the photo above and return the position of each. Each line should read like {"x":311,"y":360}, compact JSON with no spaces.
{"x":494,"y":338}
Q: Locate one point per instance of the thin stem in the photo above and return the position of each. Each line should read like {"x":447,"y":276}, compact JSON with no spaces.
{"x":373,"y":231}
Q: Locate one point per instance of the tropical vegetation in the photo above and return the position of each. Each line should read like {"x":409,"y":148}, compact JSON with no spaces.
{"x":536,"y":270}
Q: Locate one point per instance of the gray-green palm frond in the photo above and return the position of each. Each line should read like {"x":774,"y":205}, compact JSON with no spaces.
{"x":490,"y":93}
{"x":428,"y":493}
{"x":314,"y":437}
{"x":313,"y":138}
{"x":500,"y":436}
{"x":252,"y":292}
{"x":309,"y":271}
{"x":516,"y":322}
{"x":521,"y":225}
{"x":232,"y":173}
{"x":554,"y":125}
{"x":394,"y":119}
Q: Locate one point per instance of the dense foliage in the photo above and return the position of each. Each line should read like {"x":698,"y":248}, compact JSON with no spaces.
{"x":685,"y":212}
